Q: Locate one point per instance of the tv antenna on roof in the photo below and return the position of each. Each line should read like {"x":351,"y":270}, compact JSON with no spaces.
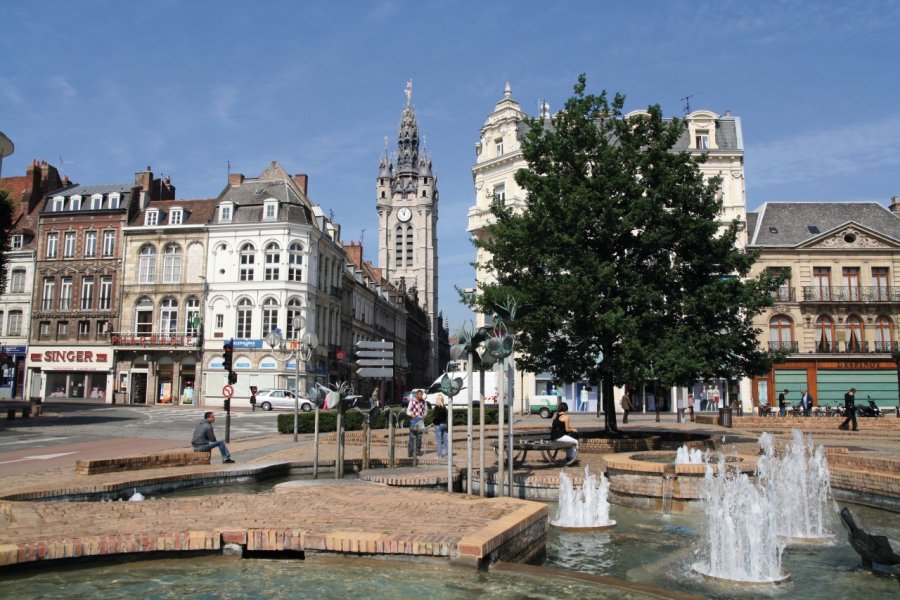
{"x":687,"y":102}
{"x":362,"y":236}
{"x":64,"y":162}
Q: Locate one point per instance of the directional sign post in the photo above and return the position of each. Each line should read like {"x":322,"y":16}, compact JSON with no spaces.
{"x":375,"y":359}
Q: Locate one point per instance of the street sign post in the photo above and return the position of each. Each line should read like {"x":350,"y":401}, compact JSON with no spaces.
{"x":228,"y":391}
{"x":375,"y":359}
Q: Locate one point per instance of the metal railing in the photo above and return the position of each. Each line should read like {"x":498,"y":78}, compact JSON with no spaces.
{"x":154,"y":339}
{"x":784,"y":346}
{"x":850,"y":294}
{"x":784,"y":295}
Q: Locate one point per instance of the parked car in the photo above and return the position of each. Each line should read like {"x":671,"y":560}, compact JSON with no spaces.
{"x":280,"y":399}
{"x":544,"y":405}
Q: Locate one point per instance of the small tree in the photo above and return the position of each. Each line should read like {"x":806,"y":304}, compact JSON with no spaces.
{"x":619,"y":250}
{"x":6,"y":227}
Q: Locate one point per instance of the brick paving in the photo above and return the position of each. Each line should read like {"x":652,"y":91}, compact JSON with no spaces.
{"x":354,"y":518}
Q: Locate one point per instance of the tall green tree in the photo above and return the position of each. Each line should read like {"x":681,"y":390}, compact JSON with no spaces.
{"x":6,"y":225}
{"x":620,"y":251}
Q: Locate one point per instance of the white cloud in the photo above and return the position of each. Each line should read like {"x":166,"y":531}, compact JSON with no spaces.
{"x":63,"y":87}
{"x":849,"y":150}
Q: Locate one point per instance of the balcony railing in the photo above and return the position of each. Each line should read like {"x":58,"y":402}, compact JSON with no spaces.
{"x":784,"y":346}
{"x":850,"y":294}
{"x":154,"y":339}
{"x":785,"y":295}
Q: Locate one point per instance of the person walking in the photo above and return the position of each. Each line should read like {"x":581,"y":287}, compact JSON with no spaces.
{"x":849,"y":409}
{"x":416,"y":411}
{"x":204,"y":438}
{"x":439,"y":420}
{"x":625,"y":402}
{"x":782,"y":403}
{"x":806,"y":401}
{"x":561,"y":428}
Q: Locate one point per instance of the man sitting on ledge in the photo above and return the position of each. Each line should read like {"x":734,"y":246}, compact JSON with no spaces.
{"x":204,"y":438}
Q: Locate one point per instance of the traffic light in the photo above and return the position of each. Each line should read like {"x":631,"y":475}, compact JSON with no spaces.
{"x":232,"y":378}
{"x":228,"y":352}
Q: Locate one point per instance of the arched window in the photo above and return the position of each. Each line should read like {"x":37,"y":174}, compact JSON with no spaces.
{"x":293,"y":310}
{"x":168,"y":316}
{"x":855,"y":338}
{"x":409,"y":246}
{"x":884,"y":334}
{"x":273,"y":261}
{"x":781,"y":333}
{"x":143,"y":316}
{"x":172,"y":264}
{"x":398,"y":247}
{"x":192,"y":316}
{"x":248,"y":262}
{"x":269,"y":316}
{"x":824,"y":334}
{"x":147,"y":265}
{"x":295,"y":262}
{"x":244,"y":318}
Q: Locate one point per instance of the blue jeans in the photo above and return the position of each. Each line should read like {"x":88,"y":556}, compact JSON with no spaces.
{"x":416,"y":428}
{"x":220,"y":445}
{"x":440,"y":434}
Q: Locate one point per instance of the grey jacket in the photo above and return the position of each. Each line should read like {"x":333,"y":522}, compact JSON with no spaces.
{"x":203,"y":434}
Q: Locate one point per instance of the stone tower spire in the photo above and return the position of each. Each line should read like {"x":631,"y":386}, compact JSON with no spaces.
{"x":408,"y":142}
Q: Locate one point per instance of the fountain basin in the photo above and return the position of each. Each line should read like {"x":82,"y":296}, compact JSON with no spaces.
{"x":652,"y":480}
{"x":702,"y":570}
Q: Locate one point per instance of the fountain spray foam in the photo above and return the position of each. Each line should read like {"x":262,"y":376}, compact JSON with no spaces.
{"x":585,"y":506}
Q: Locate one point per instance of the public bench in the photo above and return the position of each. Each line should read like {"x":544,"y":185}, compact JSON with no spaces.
{"x":552,"y":451}
{"x":133,"y":463}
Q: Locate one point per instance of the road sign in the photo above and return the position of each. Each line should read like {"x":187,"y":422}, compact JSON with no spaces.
{"x":228,"y":391}
{"x":374,"y":353}
{"x":375,"y":372}
{"x":375,"y":345}
{"x":375,"y":362}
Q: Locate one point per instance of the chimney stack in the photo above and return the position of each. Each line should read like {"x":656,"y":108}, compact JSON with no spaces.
{"x":144,"y":179}
{"x":235,"y":179}
{"x":302,"y":180}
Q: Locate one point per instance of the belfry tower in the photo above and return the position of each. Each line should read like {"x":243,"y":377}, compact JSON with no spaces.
{"x":407,"y":203}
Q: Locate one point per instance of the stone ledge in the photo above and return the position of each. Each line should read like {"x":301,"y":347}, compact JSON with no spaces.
{"x":134,"y":463}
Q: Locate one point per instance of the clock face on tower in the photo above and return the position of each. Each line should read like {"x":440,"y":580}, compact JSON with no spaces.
{"x":404,"y":214}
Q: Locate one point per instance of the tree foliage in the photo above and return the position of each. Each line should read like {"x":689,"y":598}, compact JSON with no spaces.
{"x":620,"y":249}
{"x":6,"y":225}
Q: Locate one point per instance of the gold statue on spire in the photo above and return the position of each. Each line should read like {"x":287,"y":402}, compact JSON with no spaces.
{"x":408,"y":91}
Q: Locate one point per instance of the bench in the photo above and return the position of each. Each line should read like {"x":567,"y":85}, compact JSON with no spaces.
{"x":552,"y":451}
{"x":133,"y":463}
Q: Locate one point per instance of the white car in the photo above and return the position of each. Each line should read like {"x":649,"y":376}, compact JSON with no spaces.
{"x":280,"y":399}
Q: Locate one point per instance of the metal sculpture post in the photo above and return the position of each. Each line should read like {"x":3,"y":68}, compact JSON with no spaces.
{"x":450,"y":388}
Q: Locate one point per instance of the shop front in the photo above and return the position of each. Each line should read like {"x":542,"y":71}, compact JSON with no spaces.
{"x":828,"y":381}
{"x":148,"y":377}
{"x":71,"y":373}
{"x":12,"y":371}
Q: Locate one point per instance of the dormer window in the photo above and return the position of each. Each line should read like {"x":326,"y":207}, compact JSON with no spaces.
{"x":176,"y":216}
{"x":75,"y":202}
{"x":225,"y":212}
{"x":96,"y":201}
{"x":701,"y":139}
{"x":58,"y":203}
{"x":498,"y":145}
{"x":270,"y":210}
{"x":114,"y":200}
{"x":151,"y":217}
{"x":18,"y":240}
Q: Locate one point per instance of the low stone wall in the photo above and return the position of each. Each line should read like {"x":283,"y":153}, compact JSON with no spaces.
{"x":134,"y":463}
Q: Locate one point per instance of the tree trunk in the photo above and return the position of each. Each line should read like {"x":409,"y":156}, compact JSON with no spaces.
{"x":609,"y":405}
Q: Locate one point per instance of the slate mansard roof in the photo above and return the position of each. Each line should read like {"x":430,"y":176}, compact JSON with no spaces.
{"x":791,"y":224}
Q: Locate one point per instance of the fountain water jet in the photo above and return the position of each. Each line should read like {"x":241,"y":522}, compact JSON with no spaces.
{"x":688,"y":456}
{"x":798,"y":484}
{"x":742,"y":540}
{"x":585,"y":508}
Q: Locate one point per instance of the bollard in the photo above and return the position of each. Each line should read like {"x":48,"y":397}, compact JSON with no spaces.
{"x":680,"y":416}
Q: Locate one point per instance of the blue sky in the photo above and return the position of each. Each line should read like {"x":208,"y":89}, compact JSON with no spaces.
{"x":185,"y":87}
